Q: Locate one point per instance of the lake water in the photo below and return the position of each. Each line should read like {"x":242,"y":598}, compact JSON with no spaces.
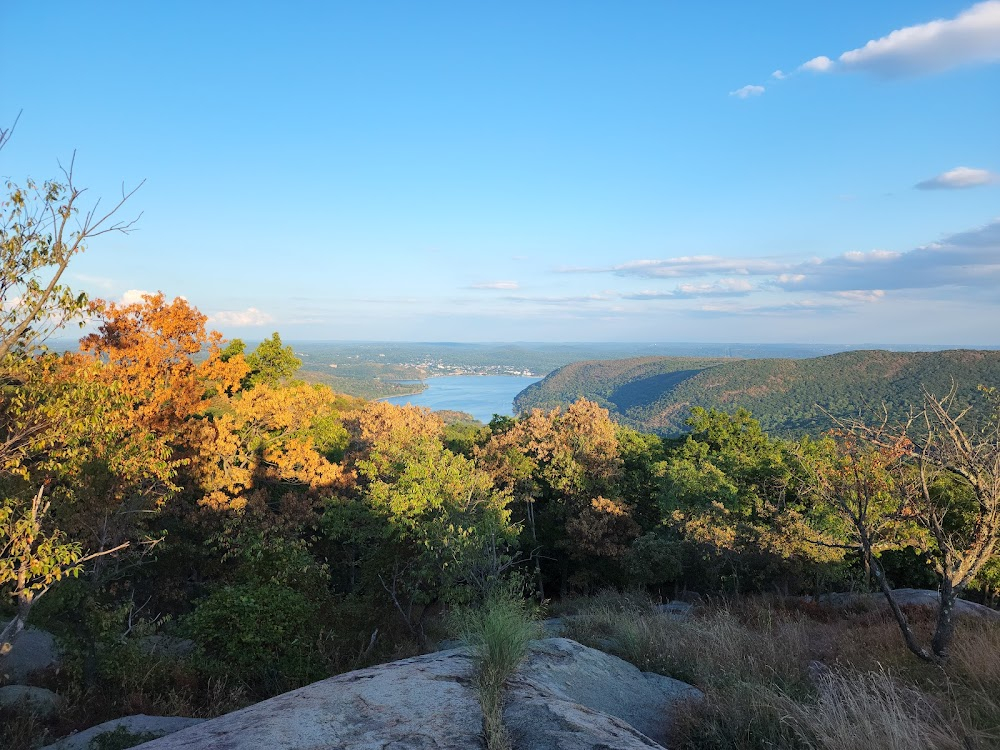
{"x":482,"y":396}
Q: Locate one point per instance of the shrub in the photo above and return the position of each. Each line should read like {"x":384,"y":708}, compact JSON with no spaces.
{"x":269,"y":634}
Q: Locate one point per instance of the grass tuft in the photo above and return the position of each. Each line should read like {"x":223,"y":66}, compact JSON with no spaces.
{"x":498,"y":632}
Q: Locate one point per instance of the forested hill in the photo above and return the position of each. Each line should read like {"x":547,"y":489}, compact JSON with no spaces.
{"x":787,"y":396}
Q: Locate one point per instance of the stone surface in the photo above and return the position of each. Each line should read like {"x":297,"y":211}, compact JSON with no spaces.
{"x":138,"y":724}
{"x":35,"y":699}
{"x":565,"y":696}
{"x":923,"y":597}
{"x":558,"y":668}
{"x":425,"y":702}
{"x":31,"y":650}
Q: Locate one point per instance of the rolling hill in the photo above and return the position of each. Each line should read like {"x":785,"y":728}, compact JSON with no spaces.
{"x":788,"y":396}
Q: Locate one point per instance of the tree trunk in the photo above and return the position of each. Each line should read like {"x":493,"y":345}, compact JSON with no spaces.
{"x":944,"y":631}
{"x":16,"y":625}
{"x":904,"y":624}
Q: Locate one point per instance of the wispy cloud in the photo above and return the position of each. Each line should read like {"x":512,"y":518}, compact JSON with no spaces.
{"x":958,"y":178}
{"x":689,"y":266}
{"x":973,"y":36}
{"x":508,"y":285}
{"x":249,"y":317}
{"x":747,"y":91}
{"x":809,"y":307}
{"x":101,"y":282}
{"x":779,"y":75}
{"x":967,"y":259}
{"x":581,"y":299}
{"x":720,"y":288}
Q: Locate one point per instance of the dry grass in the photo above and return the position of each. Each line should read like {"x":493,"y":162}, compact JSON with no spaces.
{"x":786,"y":674}
{"x":861,"y":711}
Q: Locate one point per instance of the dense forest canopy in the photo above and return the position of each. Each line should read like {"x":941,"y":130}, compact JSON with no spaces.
{"x":790,"y":397}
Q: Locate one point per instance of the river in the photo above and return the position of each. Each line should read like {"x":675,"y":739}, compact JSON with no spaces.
{"x":482,"y":396}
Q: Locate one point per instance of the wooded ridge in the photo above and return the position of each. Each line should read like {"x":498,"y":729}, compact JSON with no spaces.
{"x":789,"y":397}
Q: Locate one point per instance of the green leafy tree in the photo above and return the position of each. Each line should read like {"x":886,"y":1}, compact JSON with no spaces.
{"x":422,"y":517}
{"x":271,"y":362}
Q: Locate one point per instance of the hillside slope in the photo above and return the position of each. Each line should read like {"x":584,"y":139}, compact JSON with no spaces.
{"x":788,"y":396}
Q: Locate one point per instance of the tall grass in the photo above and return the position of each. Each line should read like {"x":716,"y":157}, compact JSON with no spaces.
{"x":781,"y":674}
{"x":862,"y":711}
{"x":498,"y":633}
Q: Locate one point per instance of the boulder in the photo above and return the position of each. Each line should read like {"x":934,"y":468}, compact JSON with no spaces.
{"x":564,"y":696}
{"x":31,"y":650}
{"x":564,"y":671}
{"x":37,"y":700}
{"x":424,"y":702}
{"x":912,"y":597}
{"x":138,"y":724}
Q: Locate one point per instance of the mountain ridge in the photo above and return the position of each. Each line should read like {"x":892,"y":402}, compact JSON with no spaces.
{"x":788,"y":396}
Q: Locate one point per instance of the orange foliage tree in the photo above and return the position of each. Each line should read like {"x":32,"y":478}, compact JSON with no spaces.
{"x":564,"y":468}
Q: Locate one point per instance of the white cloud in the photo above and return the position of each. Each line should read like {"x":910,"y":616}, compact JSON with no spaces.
{"x":872,"y":256}
{"x":973,"y":36}
{"x":959,"y":177}
{"x":861,"y":295}
{"x":819,"y":64}
{"x":496,"y":285}
{"x":134,"y":296}
{"x":748,"y":91}
{"x":720,"y":288}
{"x":249,"y":317}
{"x":779,"y":75}
{"x":696,"y":265}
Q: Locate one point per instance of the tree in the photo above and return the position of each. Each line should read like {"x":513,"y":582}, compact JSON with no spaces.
{"x":422,"y":517}
{"x":40,"y":423}
{"x":557,"y":464}
{"x":945,"y":481}
{"x":39,"y":235}
{"x":270,"y":362}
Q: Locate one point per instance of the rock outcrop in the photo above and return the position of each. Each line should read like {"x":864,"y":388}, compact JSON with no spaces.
{"x":564,"y":696}
{"x":31,"y":650}
{"x":37,"y":700}
{"x":913,"y":597}
{"x":560,"y":677}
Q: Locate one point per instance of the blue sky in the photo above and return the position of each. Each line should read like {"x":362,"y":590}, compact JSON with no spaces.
{"x":565,"y":171}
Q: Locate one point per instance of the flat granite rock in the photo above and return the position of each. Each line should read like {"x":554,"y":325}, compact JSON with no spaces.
{"x":565,"y":697}
{"x":413,"y":704}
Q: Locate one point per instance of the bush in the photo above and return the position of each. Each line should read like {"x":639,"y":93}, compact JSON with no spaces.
{"x":268,"y":634}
